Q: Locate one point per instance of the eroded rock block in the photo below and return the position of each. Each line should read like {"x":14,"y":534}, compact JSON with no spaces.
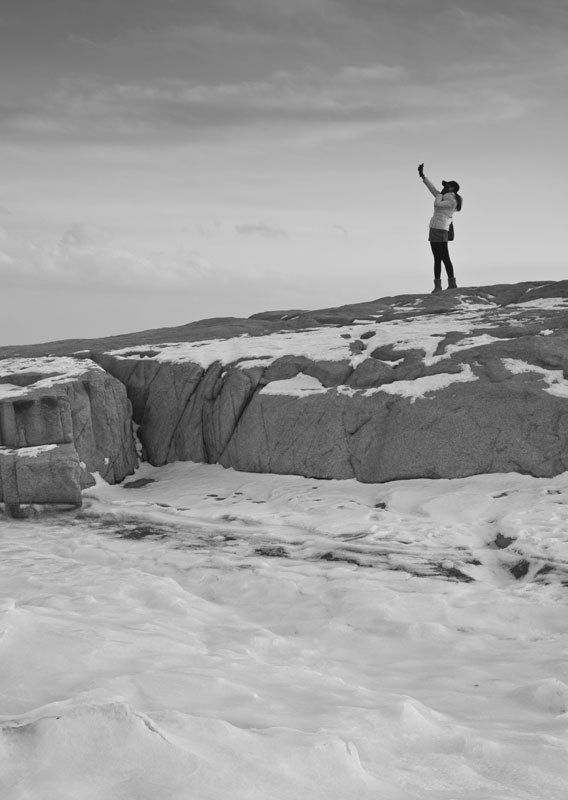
{"x":48,"y":474}
{"x":58,"y":401}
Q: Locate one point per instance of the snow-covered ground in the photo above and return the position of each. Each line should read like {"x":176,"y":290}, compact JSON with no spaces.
{"x":333,"y":343}
{"x":212,"y":634}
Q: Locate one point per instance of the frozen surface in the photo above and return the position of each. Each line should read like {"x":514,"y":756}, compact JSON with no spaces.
{"x":547,"y":303}
{"x":305,"y":385}
{"x":324,"y":343}
{"x":299,"y":386}
{"x":9,"y":390}
{"x":55,"y":370}
{"x":557,"y":383}
{"x":426,"y":333}
{"x":419,"y":388}
{"x":30,"y":452}
{"x":202,"y":633}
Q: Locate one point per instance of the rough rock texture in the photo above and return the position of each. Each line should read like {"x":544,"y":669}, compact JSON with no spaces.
{"x":480,"y":386}
{"x":184,"y":412}
{"x":448,"y":385}
{"x":476,"y":428}
{"x":74,"y":405}
{"x":49,"y":474}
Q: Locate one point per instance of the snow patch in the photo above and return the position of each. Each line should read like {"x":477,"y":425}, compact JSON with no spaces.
{"x":29,"y":452}
{"x":9,"y":390}
{"x":318,"y":344}
{"x":57,"y":370}
{"x":299,"y":386}
{"x":548,"y":303}
{"x":254,"y":362}
{"x":420,"y":387}
{"x":464,"y":344}
{"x":557,"y":384}
{"x":219,"y":634}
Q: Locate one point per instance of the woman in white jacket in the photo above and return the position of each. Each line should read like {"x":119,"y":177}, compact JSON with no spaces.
{"x":446,"y":202}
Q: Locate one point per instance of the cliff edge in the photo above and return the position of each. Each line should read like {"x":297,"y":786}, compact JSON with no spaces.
{"x":459,"y":383}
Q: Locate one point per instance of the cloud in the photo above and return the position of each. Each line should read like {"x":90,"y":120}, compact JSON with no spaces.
{"x":264,"y":84}
{"x":373,"y":95}
{"x":373,"y":72}
{"x":261,"y":229}
{"x":88,"y":257}
{"x":109,"y":21}
{"x":340,"y":231}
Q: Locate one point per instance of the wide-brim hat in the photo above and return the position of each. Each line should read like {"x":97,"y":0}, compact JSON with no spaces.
{"x":455,"y":184}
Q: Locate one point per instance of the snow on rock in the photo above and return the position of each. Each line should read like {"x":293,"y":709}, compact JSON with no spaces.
{"x":557,"y":383}
{"x":198,"y":632}
{"x":440,"y":386}
{"x":69,"y":416}
{"x":346,"y":396}
{"x":49,"y":474}
{"x":548,"y":695}
{"x":300,"y":386}
{"x":429,"y":384}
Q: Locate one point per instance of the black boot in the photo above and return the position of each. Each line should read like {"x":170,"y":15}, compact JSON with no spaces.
{"x":452,"y":283}
{"x":437,"y":286}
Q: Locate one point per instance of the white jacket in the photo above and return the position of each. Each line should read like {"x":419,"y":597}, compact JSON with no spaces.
{"x":444,"y":207}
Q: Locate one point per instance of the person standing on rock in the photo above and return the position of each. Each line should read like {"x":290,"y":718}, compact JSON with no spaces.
{"x":446,"y":203}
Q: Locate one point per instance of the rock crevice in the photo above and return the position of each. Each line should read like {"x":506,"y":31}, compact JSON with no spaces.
{"x":59,"y":427}
{"x":468,"y":382}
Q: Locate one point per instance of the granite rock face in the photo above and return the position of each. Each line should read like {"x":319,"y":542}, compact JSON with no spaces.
{"x":61,"y":421}
{"x":440,"y":386}
{"x":184,"y":412}
{"x":459,"y":383}
{"x":45,"y":475}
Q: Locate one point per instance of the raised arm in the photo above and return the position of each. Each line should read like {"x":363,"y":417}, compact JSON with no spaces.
{"x":428,"y":183}
{"x":430,"y":186}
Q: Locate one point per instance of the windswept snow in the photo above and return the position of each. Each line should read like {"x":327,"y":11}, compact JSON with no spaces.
{"x":420,"y":387}
{"x":56,"y":370}
{"x":557,"y":383}
{"x":545,"y":303}
{"x":8,"y":390}
{"x":215,"y":634}
{"x":423,"y":332}
{"x":320,"y":344}
{"x":305,"y":385}
{"x":299,"y":386}
{"x":30,"y":452}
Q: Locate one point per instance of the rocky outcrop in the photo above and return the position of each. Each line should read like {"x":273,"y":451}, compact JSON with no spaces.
{"x":445,"y":386}
{"x":463,"y":429}
{"x":45,"y":475}
{"x":63,"y":420}
{"x":184,"y":412}
{"x":439,"y":386}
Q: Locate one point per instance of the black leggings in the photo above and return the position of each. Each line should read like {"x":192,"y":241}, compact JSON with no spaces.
{"x":441,"y":255}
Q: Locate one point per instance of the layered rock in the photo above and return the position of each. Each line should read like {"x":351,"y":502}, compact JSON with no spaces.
{"x":440,"y":386}
{"x":65,"y":420}
{"x":50,"y":474}
{"x":445,"y":386}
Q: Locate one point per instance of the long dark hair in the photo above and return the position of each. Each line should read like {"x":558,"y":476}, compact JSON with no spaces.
{"x":459,"y":198}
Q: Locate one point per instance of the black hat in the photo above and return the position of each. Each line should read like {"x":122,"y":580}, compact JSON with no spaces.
{"x":455,"y":184}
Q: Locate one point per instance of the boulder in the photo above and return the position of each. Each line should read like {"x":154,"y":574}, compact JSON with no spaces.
{"x":433,"y":396}
{"x":48,"y":474}
{"x":68,"y":402}
{"x":371,"y":373}
{"x":438,"y":386}
{"x":463,"y":429}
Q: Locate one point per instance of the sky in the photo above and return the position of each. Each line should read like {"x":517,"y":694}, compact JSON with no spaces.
{"x":164,"y":161}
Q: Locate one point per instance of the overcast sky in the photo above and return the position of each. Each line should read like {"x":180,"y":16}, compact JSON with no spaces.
{"x":170,"y":160}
